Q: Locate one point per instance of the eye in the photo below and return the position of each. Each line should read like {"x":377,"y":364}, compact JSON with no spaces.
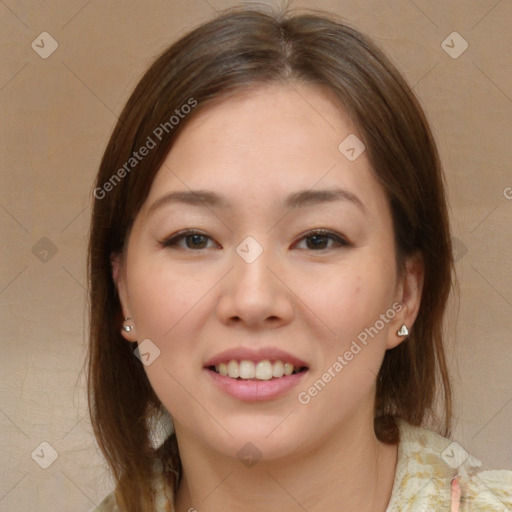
{"x":193,"y":240}
{"x":318,"y":238}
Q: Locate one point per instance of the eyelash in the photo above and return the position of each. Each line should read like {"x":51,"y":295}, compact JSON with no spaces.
{"x":172,"y":242}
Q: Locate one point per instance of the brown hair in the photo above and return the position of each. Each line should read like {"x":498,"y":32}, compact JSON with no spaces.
{"x":238,"y":50}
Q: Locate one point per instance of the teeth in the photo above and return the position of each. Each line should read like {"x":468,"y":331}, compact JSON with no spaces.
{"x":278,"y":369}
{"x":247,"y":370}
{"x":233,"y":369}
{"x":263,"y":370}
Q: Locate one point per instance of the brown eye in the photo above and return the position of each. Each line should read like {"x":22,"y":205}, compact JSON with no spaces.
{"x":320,"y":238}
{"x":193,"y":240}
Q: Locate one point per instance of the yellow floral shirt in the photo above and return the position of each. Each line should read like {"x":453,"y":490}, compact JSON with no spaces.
{"x":432,"y":474}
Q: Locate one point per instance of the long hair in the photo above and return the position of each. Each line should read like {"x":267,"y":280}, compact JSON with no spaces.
{"x":239,"y":50}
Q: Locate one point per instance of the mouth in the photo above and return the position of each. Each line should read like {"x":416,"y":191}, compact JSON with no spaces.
{"x":263,"y":370}
{"x":248,"y":374}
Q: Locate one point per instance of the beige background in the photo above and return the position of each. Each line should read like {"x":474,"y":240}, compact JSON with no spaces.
{"x":57,"y":114}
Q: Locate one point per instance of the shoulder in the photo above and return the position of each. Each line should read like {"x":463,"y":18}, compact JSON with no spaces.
{"x":488,"y":490}
{"x":435,"y":473}
{"x":161,"y":503}
{"x":161,"y":495}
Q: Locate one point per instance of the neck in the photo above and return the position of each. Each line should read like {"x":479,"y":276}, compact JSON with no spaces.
{"x":352,"y":471}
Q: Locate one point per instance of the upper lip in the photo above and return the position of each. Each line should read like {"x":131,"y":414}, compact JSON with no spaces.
{"x":255,"y":355}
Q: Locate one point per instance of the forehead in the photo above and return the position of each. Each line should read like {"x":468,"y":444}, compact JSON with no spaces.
{"x":263,"y":144}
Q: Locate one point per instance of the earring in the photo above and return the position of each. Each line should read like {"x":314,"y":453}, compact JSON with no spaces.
{"x":403,"y":331}
{"x":126,"y":326}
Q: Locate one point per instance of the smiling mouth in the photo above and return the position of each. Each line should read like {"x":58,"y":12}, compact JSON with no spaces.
{"x":262,"y":370}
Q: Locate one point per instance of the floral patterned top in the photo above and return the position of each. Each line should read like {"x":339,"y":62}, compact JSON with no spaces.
{"x":432,"y":474}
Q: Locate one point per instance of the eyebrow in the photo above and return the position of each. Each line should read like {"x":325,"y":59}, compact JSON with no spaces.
{"x":301,"y":198}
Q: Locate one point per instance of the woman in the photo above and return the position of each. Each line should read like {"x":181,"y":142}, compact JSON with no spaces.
{"x":269,"y":263}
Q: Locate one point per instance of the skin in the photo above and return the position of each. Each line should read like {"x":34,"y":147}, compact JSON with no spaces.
{"x":193,"y":303}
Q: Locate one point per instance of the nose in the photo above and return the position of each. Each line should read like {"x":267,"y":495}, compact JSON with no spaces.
{"x":255,"y":293}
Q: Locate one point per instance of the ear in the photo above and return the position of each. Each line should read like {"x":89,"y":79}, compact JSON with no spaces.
{"x":119,"y":278}
{"x":408,"y":295}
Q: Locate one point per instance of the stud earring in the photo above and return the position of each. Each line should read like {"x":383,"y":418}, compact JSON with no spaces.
{"x":127,"y":327}
{"x":403,"y":331}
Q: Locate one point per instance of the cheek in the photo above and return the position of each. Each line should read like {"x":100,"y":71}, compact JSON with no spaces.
{"x":352,"y":300}
{"x":351,"y":305}
{"x":162,"y":298}
{"x":167,"y":309}
{"x":170,"y":305}
{"x":357,"y":306}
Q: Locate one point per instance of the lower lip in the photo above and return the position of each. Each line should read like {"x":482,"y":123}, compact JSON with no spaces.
{"x":256,"y":390}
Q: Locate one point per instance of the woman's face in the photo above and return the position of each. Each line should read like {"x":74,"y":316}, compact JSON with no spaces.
{"x":257,"y":283}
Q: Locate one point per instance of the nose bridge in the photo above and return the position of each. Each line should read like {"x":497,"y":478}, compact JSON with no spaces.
{"x":253,"y":292}
{"x":252,"y":260}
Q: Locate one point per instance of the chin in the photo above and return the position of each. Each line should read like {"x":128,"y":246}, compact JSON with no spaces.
{"x":267,"y":439}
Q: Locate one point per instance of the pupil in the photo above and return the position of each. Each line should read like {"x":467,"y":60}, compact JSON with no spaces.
{"x":196,"y":239}
{"x":317,"y":238}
